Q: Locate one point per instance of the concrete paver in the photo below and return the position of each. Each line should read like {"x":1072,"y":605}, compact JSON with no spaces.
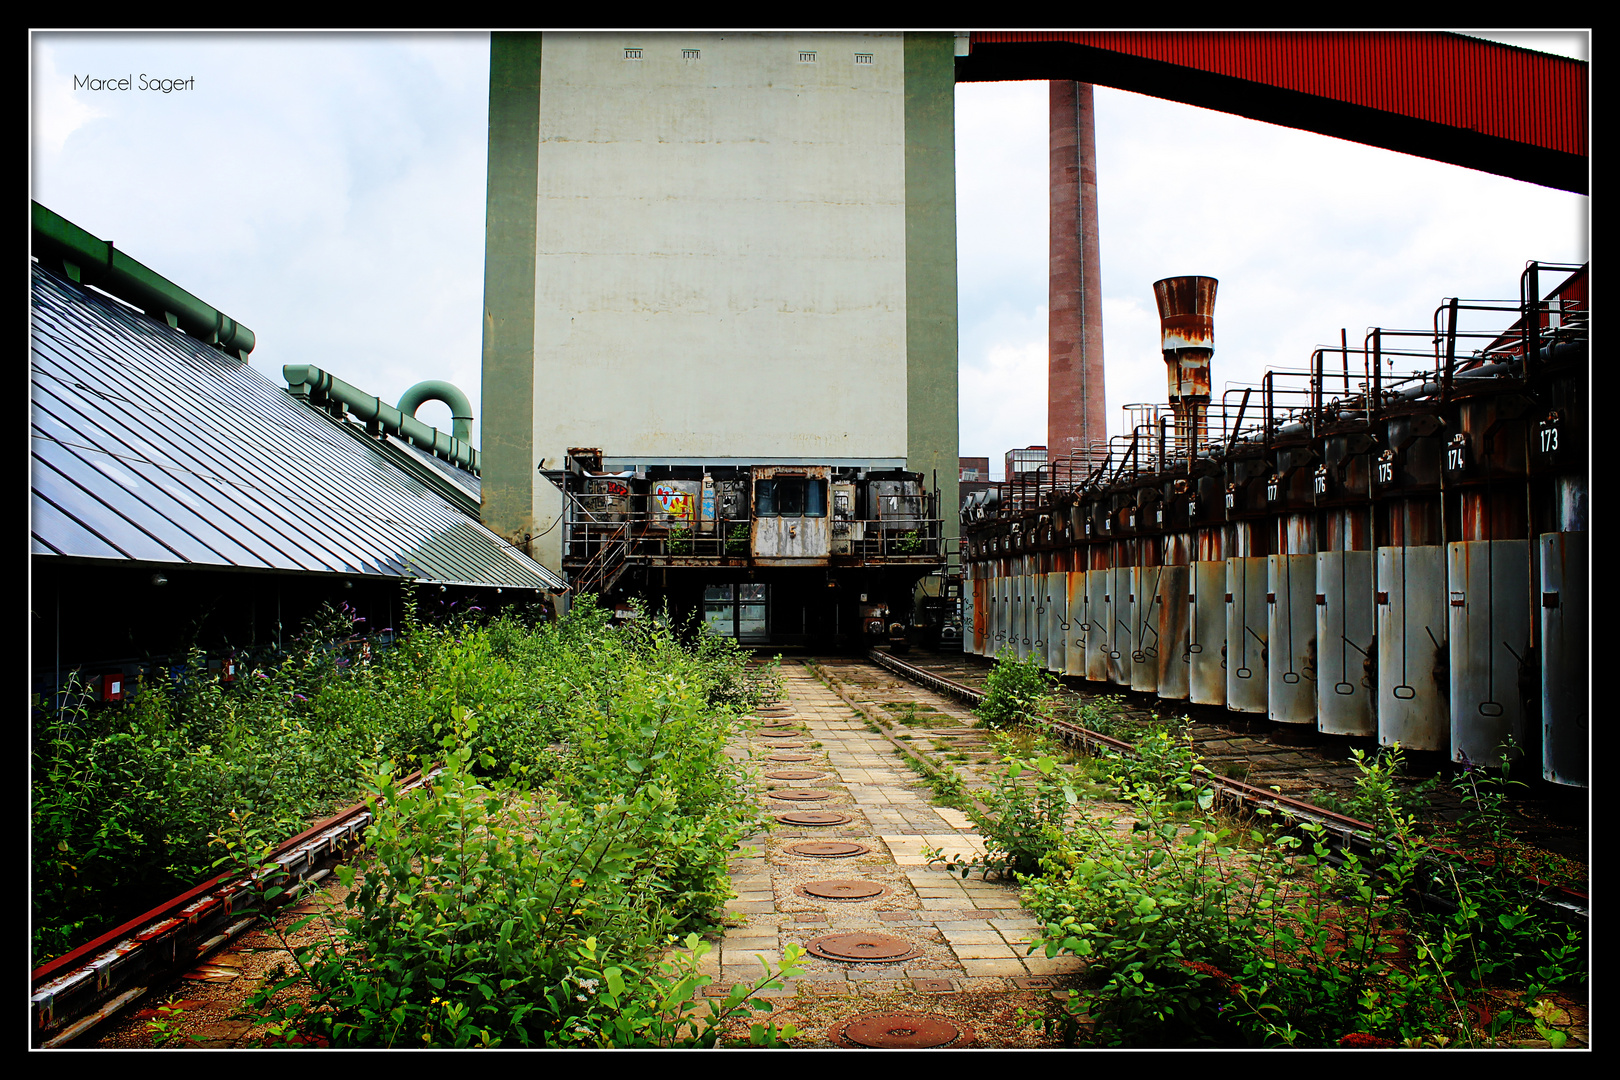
{"x":969,"y":932}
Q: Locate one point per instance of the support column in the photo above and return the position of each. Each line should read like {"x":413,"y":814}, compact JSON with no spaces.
{"x":508,"y":458}
{"x":1076,"y":416}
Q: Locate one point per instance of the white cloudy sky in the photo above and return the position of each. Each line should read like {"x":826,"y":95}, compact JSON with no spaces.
{"x":328,"y":192}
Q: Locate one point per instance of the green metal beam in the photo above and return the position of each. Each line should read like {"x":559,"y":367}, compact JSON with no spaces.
{"x":509,"y":473}
{"x":931,"y":396}
{"x":61,"y":245}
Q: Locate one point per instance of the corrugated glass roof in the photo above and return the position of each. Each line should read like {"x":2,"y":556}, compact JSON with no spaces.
{"x":151,"y":446}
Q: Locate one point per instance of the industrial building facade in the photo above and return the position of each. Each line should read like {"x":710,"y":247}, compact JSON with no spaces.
{"x":710,"y":255}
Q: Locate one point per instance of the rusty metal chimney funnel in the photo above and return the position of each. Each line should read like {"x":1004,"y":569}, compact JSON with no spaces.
{"x":1187,"y":321}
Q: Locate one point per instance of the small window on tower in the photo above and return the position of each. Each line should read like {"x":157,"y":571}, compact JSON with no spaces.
{"x":632,"y":54}
{"x":691,"y":54}
{"x":806,"y":57}
{"x":863,"y":58}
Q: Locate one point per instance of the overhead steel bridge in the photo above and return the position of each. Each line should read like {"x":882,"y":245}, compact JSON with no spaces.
{"x":1446,"y":97}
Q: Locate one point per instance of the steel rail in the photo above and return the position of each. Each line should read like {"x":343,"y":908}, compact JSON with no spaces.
{"x":73,"y":993}
{"x":1341,"y":832}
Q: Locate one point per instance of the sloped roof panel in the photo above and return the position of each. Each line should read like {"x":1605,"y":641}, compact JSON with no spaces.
{"x":149,"y":445}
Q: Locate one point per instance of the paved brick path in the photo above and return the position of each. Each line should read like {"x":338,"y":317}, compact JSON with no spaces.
{"x":972,"y":935}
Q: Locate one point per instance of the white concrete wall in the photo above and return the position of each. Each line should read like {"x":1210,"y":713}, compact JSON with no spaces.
{"x":721,"y":248}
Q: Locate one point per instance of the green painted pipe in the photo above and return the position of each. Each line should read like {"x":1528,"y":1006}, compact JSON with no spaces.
{"x":461,"y":416}
{"x":58,"y":243}
{"x":320,"y":388}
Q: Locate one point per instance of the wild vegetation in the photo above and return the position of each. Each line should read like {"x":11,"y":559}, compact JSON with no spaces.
{"x":1199,"y":928}
{"x":527,"y":896}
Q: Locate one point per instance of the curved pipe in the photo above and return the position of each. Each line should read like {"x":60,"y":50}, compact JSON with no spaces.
{"x":319,"y":387}
{"x":90,"y":261}
{"x":461,"y":416}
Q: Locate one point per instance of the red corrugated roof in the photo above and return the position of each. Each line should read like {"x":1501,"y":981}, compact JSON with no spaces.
{"x":1462,"y":82}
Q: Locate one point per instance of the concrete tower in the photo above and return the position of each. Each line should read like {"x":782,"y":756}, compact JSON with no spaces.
{"x":711,"y":248}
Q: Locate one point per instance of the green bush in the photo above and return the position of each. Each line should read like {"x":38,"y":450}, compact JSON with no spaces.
{"x":126,"y":796}
{"x":1025,"y":819}
{"x":1016,"y":691}
{"x":1194,"y":930}
{"x":491,"y":914}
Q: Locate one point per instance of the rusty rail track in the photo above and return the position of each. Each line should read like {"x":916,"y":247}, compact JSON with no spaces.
{"x":1339,"y":832}
{"x":73,"y":993}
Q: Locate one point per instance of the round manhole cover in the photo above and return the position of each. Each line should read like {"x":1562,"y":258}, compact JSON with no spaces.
{"x":779,"y":734}
{"x":794,"y":774}
{"x":791,"y":757}
{"x":862,"y":948}
{"x":814,"y":817}
{"x":801,"y":795}
{"x":842,"y":890}
{"x":776,"y":723}
{"x":901,"y":1030}
{"x":828,"y":849}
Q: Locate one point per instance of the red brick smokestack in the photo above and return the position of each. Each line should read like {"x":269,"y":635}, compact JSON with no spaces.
{"x":1075,"y":414}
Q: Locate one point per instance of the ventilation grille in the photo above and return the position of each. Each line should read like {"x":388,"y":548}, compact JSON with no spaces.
{"x":806,"y":57}
{"x":863,"y":58}
{"x":632,"y":54}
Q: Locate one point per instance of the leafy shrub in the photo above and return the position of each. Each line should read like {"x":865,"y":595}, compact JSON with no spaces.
{"x":1196,"y":931}
{"x":1025,"y":821}
{"x":491,"y":915}
{"x":1015,"y":691}
{"x":126,"y":796}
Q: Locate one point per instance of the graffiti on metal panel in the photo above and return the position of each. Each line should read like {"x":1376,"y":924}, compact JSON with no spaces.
{"x":673,"y":501}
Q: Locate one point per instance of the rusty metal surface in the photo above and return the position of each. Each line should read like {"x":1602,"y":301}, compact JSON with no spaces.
{"x":1347,"y":529}
{"x":1206,"y":633}
{"x":1247,"y":623}
{"x":843,"y":889}
{"x":1344,"y":635}
{"x":1056,"y":631}
{"x":900,"y":1031}
{"x":1493,"y":513}
{"x":1211,"y":545}
{"x":1171,"y":612}
{"x":794,"y":774}
{"x":814,"y":817}
{"x":1489,"y":634}
{"x":828,"y":849}
{"x":1186,"y":311}
{"x":1411,"y":522}
{"x":1074,"y":613}
{"x":862,"y":947}
{"x":1564,"y":606}
{"x":784,"y":756}
{"x":1410,"y":612}
{"x":801,"y":795}
{"x":1291,"y":639}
